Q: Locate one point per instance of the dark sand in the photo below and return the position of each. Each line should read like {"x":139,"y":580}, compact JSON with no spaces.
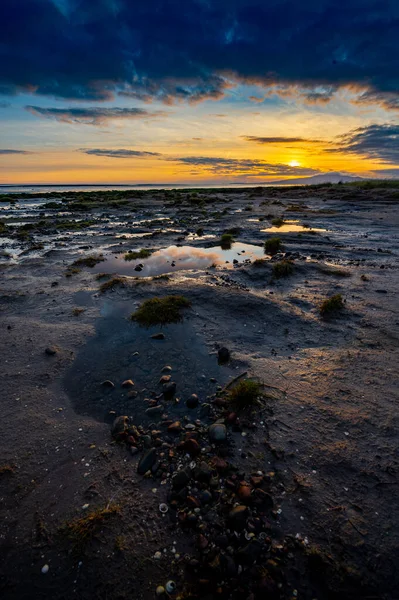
{"x":328,"y":429}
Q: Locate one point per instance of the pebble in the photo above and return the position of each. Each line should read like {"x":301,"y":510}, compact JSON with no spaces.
{"x":45,"y":569}
{"x":193,"y":401}
{"x":119,"y":427}
{"x":169,"y":388}
{"x":127,"y":383}
{"x":223,"y":354}
{"x":167,"y":369}
{"x":147,"y":461}
{"x":165,"y":379}
{"x":108,"y":383}
{"x":51,"y":350}
{"x":160,"y":591}
{"x":217,"y":432}
{"x":158,"y":336}
{"x":170,"y":587}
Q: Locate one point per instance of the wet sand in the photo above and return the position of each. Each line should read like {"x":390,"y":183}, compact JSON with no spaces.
{"x":325,"y":437}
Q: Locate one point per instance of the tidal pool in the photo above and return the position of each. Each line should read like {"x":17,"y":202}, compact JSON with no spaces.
{"x":291,"y":227}
{"x":179,"y":258}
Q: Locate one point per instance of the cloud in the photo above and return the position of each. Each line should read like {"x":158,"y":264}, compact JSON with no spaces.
{"x":280,"y":140}
{"x":376,"y":142}
{"x":9,"y":151}
{"x":240,"y":167}
{"x":387,"y":100}
{"x":92,"y":116}
{"x":153,"y":50}
{"x":389,"y":173}
{"x":119,"y":153}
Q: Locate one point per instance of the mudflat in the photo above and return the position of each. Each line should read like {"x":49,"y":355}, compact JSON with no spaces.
{"x":270,"y":468}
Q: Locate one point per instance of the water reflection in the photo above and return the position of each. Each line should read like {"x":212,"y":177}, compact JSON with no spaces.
{"x":291,"y":227}
{"x":179,"y":258}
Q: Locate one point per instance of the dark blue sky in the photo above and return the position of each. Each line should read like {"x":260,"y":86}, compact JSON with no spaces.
{"x":80,"y":62}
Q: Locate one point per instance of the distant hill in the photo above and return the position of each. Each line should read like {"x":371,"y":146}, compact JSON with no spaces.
{"x":333,"y":177}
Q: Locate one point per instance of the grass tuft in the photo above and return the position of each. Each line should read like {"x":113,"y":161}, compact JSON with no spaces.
{"x":143,"y":253}
{"x":284,"y":268}
{"x":226,"y":240}
{"x":81,"y":531}
{"x":334,"y":271}
{"x":245,"y":394}
{"x":273,"y":245}
{"x":332,"y":305}
{"x":112,"y":283}
{"x":160,"y":311}
{"x":88,"y":261}
{"x":278,"y":222}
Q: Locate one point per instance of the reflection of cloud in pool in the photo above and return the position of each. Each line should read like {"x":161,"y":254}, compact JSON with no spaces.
{"x":183,"y":257}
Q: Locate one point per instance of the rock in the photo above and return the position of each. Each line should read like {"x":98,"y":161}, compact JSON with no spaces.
{"x":181,"y":479}
{"x":154,"y":410}
{"x":238,"y":516}
{"x":138,"y":268}
{"x":193,"y":401}
{"x":174,"y":427}
{"x":165,"y":379}
{"x":51,"y":350}
{"x":171,"y":588}
{"x":147,"y":441}
{"x":119,"y":427}
{"x":249,"y":553}
{"x":192,"y":447}
{"x":203,"y":472}
{"x":160,"y":591}
{"x":223,"y":354}
{"x":256,"y":480}
{"x":263,"y":499}
{"x":127,"y":383}
{"x":147,"y":461}
{"x":169,"y":388}
{"x":217,"y":432}
{"x":219,"y":463}
{"x":108,"y":383}
{"x":202,"y":542}
{"x":167,"y":369}
{"x":158,"y":336}
{"x":134,"y":450}
{"x":244,"y":492}
{"x":205,"y":497}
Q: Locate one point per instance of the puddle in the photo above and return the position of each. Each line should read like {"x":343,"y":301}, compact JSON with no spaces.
{"x":291,"y":227}
{"x":110,"y":354}
{"x":179,"y":258}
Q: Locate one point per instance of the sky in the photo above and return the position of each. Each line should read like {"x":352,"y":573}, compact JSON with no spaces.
{"x":197,"y":91}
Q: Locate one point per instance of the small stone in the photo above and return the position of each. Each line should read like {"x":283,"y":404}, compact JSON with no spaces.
{"x":181,"y":479}
{"x":119,"y":427}
{"x":192,"y":447}
{"x":147,"y":461}
{"x":169,"y":388}
{"x":154,"y":410}
{"x":45,"y":569}
{"x":134,"y":450}
{"x":107,"y":383}
{"x":223,"y":354}
{"x":217,"y":432}
{"x":165,"y":378}
{"x":175,"y":427}
{"x":160,"y":591}
{"x":244,"y":492}
{"x":138,"y":268}
{"x":193,"y":401}
{"x":127,"y":383}
{"x":51,"y":350}
{"x":158,"y":336}
{"x":167,"y":369}
{"x":238,"y":515}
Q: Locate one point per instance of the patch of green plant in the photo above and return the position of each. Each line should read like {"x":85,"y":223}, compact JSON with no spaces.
{"x":273,"y":245}
{"x":334,"y":271}
{"x":284,"y":268}
{"x":74,"y":225}
{"x":278,"y":222}
{"x":226,"y":240}
{"x":81,"y":531}
{"x":3,"y":227}
{"x":200,"y":232}
{"x":101,"y":276}
{"x":332,"y":305}
{"x":245,"y":394}
{"x":259,"y":262}
{"x":161,"y":311}
{"x":77,"y":311}
{"x":112,"y":283}
{"x":88,"y":261}
{"x":72,"y":271}
{"x":133,"y":255}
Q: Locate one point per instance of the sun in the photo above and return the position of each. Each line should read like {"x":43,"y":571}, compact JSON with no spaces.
{"x":294,"y":163}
